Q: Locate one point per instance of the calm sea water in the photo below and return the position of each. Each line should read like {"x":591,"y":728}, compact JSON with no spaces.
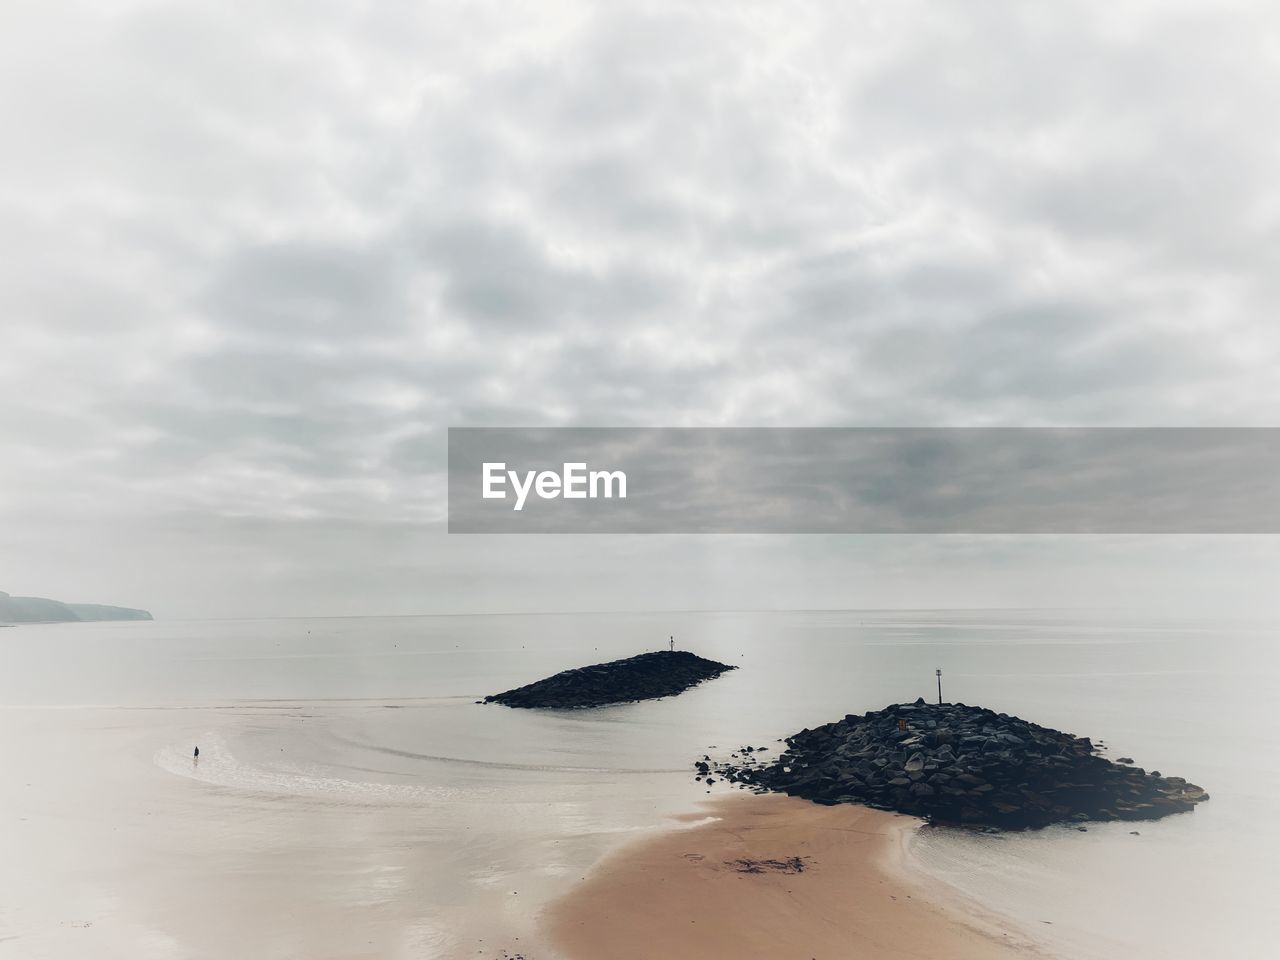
{"x":351,"y":799}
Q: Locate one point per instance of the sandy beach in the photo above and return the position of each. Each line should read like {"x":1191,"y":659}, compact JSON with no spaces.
{"x":383,"y":817}
{"x":773,"y":877}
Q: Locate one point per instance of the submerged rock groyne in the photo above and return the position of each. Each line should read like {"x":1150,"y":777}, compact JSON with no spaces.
{"x":643,"y":677}
{"x":952,"y":763}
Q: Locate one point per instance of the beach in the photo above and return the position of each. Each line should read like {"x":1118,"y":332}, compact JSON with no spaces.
{"x":352,"y":800}
{"x":241,"y":853}
{"x":773,"y":877}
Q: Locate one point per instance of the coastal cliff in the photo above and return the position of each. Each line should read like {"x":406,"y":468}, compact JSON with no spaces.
{"x":43,"y":610}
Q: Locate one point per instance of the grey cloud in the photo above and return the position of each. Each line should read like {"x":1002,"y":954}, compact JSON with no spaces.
{"x":1062,"y":350}
{"x":496,"y":274}
{"x":307,"y":289}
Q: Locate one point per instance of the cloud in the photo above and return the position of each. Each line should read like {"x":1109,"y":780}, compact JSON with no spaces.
{"x":255,"y":261}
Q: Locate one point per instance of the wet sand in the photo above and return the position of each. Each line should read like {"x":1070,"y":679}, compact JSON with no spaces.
{"x":774,"y":877}
{"x":118,"y":845}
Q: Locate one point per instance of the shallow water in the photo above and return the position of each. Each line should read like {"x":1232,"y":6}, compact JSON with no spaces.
{"x":351,"y":800}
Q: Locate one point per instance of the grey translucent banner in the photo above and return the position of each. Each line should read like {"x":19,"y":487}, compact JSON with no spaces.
{"x":864,"y":480}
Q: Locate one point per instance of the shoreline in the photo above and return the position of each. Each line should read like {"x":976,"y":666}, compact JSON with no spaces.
{"x":773,"y":877}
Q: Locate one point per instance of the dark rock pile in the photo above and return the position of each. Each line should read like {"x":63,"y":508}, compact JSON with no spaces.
{"x":643,"y":677}
{"x":951,"y":763}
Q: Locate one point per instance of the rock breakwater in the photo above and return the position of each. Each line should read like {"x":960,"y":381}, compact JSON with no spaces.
{"x":643,"y":677}
{"x":952,"y":763}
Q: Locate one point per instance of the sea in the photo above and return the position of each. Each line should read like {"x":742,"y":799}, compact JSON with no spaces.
{"x":352,"y":799}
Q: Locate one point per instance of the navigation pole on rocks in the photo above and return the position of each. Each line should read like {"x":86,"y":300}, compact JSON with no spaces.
{"x":938,"y":672}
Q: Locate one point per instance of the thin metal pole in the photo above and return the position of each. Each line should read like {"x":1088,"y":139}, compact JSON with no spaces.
{"x":939,"y":673}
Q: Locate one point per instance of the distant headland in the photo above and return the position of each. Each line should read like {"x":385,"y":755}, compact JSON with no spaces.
{"x":41,"y":610}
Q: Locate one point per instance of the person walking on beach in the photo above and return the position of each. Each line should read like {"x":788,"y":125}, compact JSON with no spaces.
{"x":196,"y":755}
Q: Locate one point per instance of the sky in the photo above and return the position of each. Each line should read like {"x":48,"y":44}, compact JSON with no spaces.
{"x":256,"y":258}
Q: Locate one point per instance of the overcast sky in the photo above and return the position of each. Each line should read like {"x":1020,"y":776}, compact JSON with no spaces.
{"x":254,"y":258}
